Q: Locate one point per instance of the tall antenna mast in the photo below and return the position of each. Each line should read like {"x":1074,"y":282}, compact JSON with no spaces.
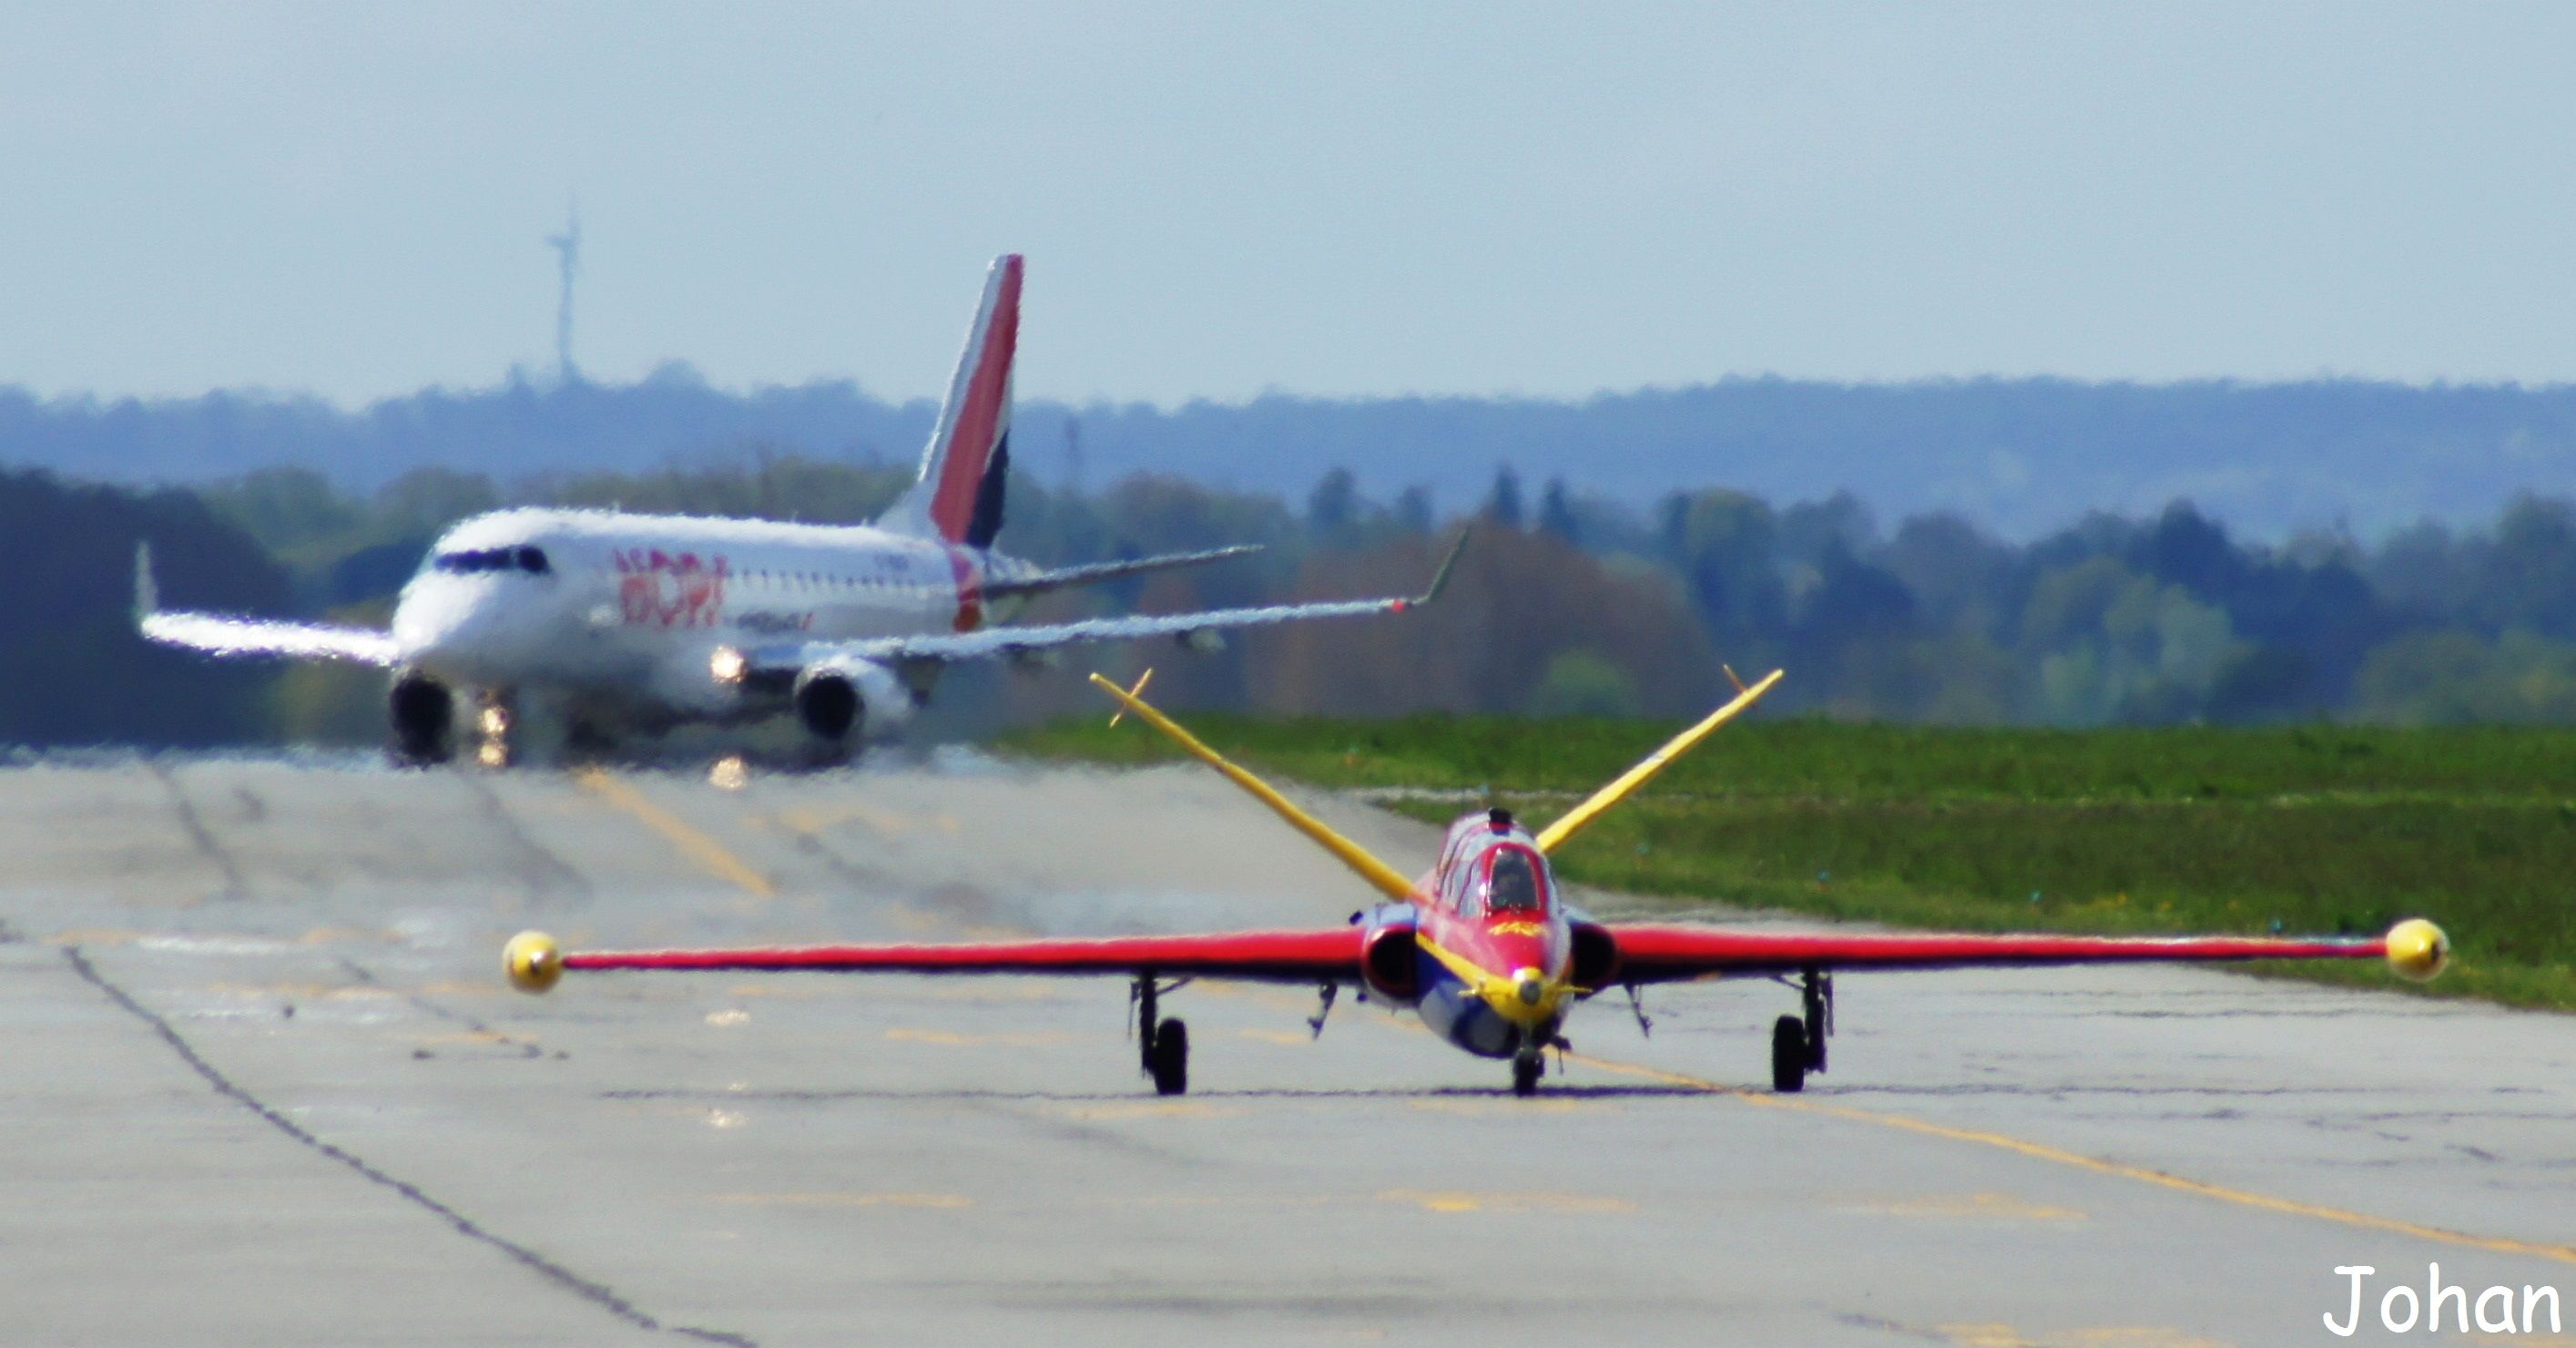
{"x":567,"y":246}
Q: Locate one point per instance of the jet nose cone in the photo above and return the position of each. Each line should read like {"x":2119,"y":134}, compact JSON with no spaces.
{"x":1529,"y":986}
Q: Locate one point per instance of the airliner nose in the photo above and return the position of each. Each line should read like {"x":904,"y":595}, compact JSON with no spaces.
{"x":1531,"y":986}
{"x":427,"y":621}
{"x":442,"y":625}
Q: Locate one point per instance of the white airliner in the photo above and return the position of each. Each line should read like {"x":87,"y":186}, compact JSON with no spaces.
{"x":630,"y":624}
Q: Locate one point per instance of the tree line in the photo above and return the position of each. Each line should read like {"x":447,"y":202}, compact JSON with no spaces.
{"x":1566,"y":603}
{"x":2019,"y":456}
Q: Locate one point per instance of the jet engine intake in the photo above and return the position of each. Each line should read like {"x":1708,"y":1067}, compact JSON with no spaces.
{"x":1596,"y":956}
{"x":1390,"y":959}
{"x":847,"y":699}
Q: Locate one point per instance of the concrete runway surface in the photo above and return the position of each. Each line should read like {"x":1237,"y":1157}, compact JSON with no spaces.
{"x":265,"y":1084}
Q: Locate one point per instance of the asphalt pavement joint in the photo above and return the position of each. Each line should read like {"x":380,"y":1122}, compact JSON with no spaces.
{"x":597,"y":1293}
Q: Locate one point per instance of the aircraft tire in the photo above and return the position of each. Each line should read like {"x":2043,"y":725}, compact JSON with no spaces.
{"x":1172,"y":1058}
{"x":1788,"y":1055}
{"x":422,"y":713}
{"x":1526,"y":1070}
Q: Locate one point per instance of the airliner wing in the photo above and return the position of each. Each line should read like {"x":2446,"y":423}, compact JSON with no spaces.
{"x":993,"y":642}
{"x":215,"y":634}
{"x":1000,"y":641}
{"x":1069,"y":576}
{"x":1658,"y":954}
{"x":1331,"y":955}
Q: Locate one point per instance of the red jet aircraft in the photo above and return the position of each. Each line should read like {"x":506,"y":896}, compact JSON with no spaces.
{"x":1484,"y":948}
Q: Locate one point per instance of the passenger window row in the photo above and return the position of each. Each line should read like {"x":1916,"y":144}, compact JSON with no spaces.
{"x":818,"y":578}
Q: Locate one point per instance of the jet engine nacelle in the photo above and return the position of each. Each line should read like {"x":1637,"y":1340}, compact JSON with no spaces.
{"x":842,"y":699}
{"x":1596,"y":956}
{"x":1391,"y":961}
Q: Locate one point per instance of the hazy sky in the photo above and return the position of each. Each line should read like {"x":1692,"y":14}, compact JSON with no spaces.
{"x":1217,"y":199}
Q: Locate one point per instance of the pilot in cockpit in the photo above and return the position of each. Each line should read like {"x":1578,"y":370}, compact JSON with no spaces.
{"x":1512,"y":885}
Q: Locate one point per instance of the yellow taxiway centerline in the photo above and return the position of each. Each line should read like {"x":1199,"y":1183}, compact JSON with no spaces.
{"x":2565,"y":1254}
{"x":691,"y":842}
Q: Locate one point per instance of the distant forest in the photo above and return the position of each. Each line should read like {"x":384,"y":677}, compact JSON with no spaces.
{"x":1570,"y":601}
{"x":2017,"y":458}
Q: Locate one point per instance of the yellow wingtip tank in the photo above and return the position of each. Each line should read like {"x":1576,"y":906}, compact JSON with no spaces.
{"x":2418,"y":951}
{"x":533,"y":961}
{"x":1386,"y":879}
{"x":1575,"y":820}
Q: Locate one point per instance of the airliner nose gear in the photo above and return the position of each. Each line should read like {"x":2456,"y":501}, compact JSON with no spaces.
{"x":496,"y":727}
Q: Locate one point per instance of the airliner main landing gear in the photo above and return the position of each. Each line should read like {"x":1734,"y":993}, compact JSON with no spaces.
{"x":1163,"y":1045}
{"x":1798,"y":1042}
{"x":422,"y":712}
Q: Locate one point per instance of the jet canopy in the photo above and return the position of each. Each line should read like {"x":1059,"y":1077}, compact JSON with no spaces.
{"x":1514,"y":881}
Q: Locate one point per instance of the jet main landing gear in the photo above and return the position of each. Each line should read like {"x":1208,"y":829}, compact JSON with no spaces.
{"x":1163,"y":1045}
{"x":1798,"y":1042}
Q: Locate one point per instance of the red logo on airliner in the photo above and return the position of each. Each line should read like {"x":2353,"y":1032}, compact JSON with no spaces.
{"x":660,"y":589}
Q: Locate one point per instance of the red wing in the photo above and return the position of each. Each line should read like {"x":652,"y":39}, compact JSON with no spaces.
{"x":1269,"y":956}
{"x":1662,"y":954}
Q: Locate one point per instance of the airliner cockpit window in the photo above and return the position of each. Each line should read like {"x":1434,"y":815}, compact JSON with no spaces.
{"x":531,"y":560}
{"x":1512,"y":887}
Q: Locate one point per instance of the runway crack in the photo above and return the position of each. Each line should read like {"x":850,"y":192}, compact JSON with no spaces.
{"x":597,"y":1293}
{"x":195,"y":827}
